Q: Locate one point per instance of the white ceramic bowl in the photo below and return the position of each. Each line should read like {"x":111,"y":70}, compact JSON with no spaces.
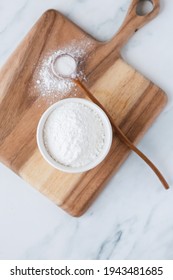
{"x":108,"y":136}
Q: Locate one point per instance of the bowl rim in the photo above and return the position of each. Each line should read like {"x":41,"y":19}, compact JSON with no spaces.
{"x":69,"y":169}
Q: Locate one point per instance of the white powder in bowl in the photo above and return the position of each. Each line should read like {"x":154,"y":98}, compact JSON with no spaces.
{"x":74,"y":134}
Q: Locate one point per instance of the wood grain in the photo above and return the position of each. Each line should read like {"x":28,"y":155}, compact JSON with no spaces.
{"x":131,"y":99}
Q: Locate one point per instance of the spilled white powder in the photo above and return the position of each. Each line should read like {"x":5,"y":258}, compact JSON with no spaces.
{"x":48,"y":84}
{"x":74,"y":134}
{"x":52,"y":87}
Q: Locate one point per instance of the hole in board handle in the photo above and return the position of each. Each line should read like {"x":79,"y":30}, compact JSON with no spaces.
{"x":144,"y":7}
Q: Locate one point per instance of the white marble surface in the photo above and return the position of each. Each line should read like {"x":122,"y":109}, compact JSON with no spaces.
{"x":132,"y":218}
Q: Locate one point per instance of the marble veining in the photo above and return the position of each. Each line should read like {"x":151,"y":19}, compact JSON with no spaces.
{"x":132,"y":218}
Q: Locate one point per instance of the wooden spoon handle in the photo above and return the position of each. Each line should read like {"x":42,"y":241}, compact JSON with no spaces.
{"x":122,"y":136}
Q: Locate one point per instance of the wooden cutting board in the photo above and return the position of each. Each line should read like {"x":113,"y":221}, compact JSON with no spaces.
{"x":131,"y":99}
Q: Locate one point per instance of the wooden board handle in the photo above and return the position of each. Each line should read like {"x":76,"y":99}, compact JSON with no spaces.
{"x":133,"y":22}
